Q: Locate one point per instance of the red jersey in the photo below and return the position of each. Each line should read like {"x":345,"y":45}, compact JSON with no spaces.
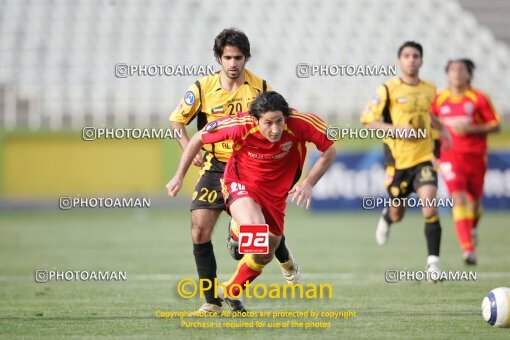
{"x":270,"y":168}
{"x":472,"y":108}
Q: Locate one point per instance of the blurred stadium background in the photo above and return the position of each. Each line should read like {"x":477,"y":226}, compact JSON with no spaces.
{"x":57,"y":74}
{"x":58,"y":58}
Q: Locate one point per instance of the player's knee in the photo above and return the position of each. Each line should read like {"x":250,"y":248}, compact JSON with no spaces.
{"x":476,"y":207}
{"x":201,"y":231}
{"x":396,"y":216}
{"x":253,"y":218}
{"x":429,"y":212}
{"x":200,"y":236}
{"x":263,"y":258}
{"x":460,"y":198}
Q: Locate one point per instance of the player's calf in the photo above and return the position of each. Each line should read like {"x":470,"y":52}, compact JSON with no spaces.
{"x":291,"y":271}
{"x":433,"y":236}
{"x":248,"y":269}
{"x":464,"y":220}
{"x":203,"y":221}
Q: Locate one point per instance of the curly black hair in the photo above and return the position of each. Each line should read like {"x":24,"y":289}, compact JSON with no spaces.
{"x":232,"y":37}
{"x":269,"y":101}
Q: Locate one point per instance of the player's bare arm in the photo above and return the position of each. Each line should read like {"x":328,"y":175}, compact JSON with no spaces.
{"x":189,"y":153}
{"x":183,"y":142}
{"x":479,"y":129}
{"x":446,"y":138}
{"x":302,"y":192}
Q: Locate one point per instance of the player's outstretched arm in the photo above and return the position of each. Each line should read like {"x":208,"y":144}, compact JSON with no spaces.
{"x":479,"y":129}
{"x":187,"y":157}
{"x":183,"y":142}
{"x":446,"y":138}
{"x":302,"y":193}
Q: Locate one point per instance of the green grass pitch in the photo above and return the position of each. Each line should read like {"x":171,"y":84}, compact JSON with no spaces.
{"x":153,"y":246}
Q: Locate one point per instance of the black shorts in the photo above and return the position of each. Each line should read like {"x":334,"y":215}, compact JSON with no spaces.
{"x":406,"y":181}
{"x":207,"y":194}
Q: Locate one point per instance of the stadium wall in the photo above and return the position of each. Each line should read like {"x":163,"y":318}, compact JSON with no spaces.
{"x":53,"y":164}
{"x":358,"y":177}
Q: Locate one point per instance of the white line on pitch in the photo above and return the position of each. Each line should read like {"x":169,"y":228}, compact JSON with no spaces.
{"x":340,"y":276}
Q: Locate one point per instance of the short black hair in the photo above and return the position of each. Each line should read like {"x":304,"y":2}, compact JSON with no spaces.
{"x":269,"y":101}
{"x":470,"y":65}
{"x":413,"y":44}
{"x":232,"y":37}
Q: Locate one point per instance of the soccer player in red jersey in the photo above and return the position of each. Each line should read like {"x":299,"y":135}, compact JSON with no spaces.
{"x":469,"y":116}
{"x":267,"y":161}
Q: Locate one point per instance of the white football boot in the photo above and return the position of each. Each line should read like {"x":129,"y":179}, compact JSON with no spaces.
{"x":382,"y":233}
{"x":433,"y":269}
{"x":208,"y":309}
{"x":290,"y":270}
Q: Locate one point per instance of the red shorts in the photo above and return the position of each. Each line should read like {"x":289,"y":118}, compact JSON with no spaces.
{"x":273,"y":211}
{"x":464,"y":172}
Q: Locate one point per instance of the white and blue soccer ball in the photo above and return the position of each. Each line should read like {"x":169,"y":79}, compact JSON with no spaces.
{"x":496,"y":306}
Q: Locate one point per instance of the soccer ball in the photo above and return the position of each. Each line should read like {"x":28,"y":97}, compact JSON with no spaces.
{"x":233,"y":240}
{"x":496,"y":306}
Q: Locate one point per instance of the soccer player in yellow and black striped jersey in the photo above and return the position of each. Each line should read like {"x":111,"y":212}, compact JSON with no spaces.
{"x":222,"y":94}
{"x":404,"y":103}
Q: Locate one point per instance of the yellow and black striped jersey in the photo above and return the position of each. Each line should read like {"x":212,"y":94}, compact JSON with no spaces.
{"x":407,"y":105}
{"x":207,"y":101}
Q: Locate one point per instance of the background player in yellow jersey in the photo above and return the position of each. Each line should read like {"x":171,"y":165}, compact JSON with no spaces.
{"x":404,"y":103}
{"x":225,"y":93}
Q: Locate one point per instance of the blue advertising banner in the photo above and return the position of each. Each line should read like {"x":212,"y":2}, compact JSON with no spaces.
{"x":355,"y":176}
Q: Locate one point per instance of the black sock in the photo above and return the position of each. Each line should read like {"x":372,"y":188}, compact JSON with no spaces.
{"x":282,"y":253}
{"x":386,"y":216}
{"x":206,"y":267}
{"x":433,"y":234}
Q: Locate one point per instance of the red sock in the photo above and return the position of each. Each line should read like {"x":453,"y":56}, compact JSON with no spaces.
{"x":247,"y":271}
{"x":464,"y":219}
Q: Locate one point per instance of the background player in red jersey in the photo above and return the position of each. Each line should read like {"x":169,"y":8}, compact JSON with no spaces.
{"x":267,"y":161}
{"x":469,"y":116}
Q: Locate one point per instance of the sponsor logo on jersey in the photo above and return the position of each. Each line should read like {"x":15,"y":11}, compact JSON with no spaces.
{"x":276,"y":157}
